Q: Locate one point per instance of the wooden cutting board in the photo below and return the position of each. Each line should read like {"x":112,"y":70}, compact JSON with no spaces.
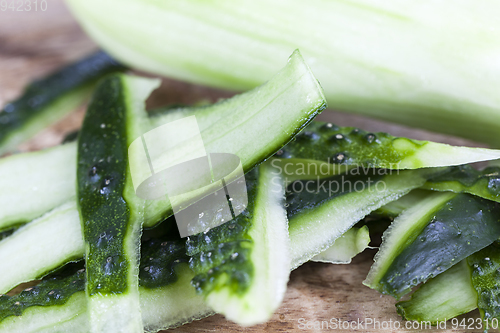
{"x":34,"y":43}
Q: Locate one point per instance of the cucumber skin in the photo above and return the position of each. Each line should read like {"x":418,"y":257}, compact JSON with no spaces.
{"x":104,"y":212}
{"x":43,"y":93}
{"x":242,"y":266}
{"x":485,"y":266}
{"x":451,"y":236}
{"x":348,"y":146}
{"x":160,"y":256}
{"x":165,"y":274}
{"x":332,"y":218}
{"x":225,"y":250}
{"x":438,"y":300}
{"x":304,"y":201}
{"x":466,"y":179}
{"x":52,"y":291}
{"x":346,"y":247}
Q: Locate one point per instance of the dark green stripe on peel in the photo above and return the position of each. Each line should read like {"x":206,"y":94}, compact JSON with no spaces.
{"x":305,"y":195}
{"x":159,"y":260}
{"x":46,"y":91}
{"x":485,"y":266}
{"x":6,"y":233}
{"x":464,"y":178}
{"x":53,"y":290}
{"x":102,"y":168}
{"x":346,"y":145}
{"x":463,"y":226}
{"x":220,"y":257}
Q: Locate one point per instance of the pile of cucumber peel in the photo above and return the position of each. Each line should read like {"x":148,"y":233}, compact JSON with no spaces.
{"x":99,"y":258}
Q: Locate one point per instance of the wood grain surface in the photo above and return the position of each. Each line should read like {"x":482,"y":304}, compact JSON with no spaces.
{"x":34,"y":43}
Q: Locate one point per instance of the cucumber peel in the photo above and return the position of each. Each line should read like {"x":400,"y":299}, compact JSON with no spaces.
{"x":466,"y":179}
{"x":328,"y":215}
{"x":395,"y":208}
{"x":110,"y":212}
{"x":342,"y":148}
{"x":47,"y":100}
{"x":484,"y":266}
{"x":431,"y":237}
{"x":441,"y":298}
{"x":270,"y":116}
{"x":346,"y":247}
{"x":49,"y":185}
{"x":58,"y":303}
{"x":242,"y":266}
{"x":56,"y":235}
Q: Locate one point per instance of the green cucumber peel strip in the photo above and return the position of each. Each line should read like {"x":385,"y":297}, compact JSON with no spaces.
{"x":466,"y":179}
{"x":315,"y":210}
{"x":110,"y":212}
{"x":395,"y":208}
{"x":270,"y":117}
{"x":484,"y":266}
{"x":391,"y":60}
{"x":284,"y":105}
{"x":346,"y":247}
{"x":324,"y":149}
{"x":49,"y":186}
{"x":47,"y":100}
{"x":58,"y":303}
{"x":41,"y":246}
{"x":431,"y":237}
{"x":242,"y":266}
{"x":441,"y":298}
